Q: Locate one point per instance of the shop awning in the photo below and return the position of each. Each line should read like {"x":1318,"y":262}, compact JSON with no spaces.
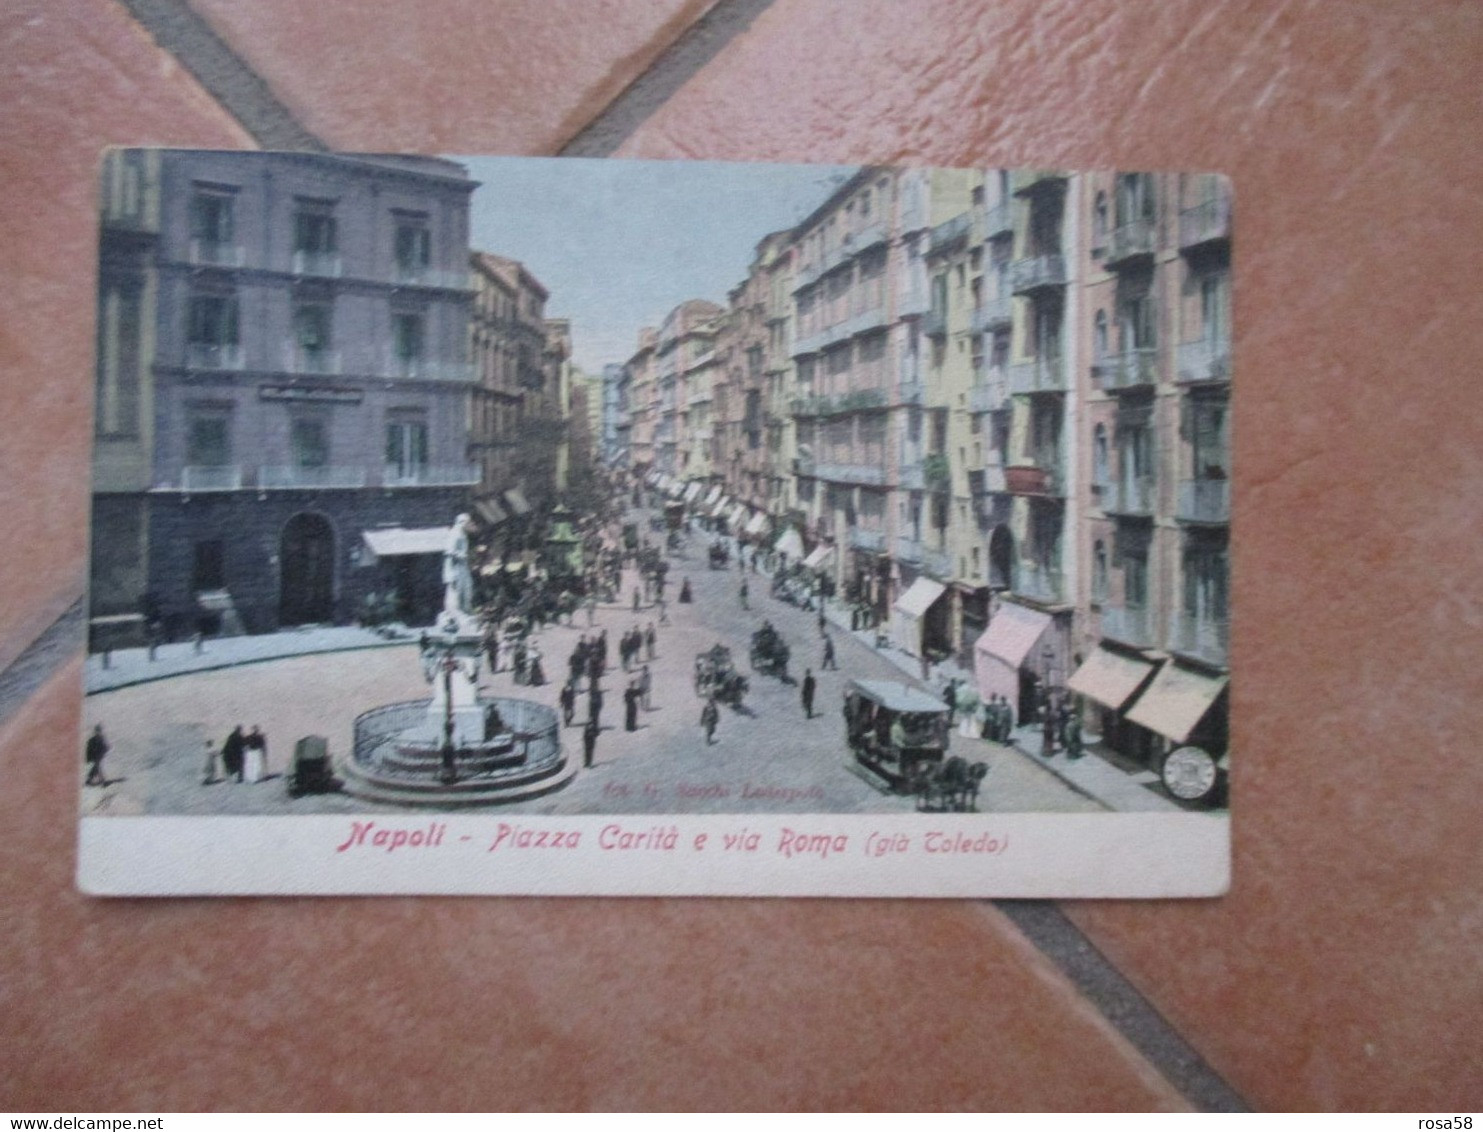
{"x":820,"y":558}
{"x":790,"y":542}
{"x":693,"y":490}
{"x":1012,"y":633}
{"x":919,"y":598}
{"x":516,"y":499}
{"x":757,"y":524}
{"x":491,"y":512}
{"x":676,"y":488}
{"x":713,"y":495}
{"x":720,"y":508}
{"x":737,"y":514}
{"x":1176,"y":701}
{"x":398,"y":542}
{"x":1109,"y":678}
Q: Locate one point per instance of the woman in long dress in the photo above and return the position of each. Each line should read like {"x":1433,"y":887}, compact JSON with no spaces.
{"x":255,"y":756}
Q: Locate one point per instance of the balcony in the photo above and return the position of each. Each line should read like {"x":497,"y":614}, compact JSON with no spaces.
{"x":911,"y":476}
{"x":212,"y":253}
{"x":998,"y":219}
{"x":286,"y":477}
{"x":991,"y":394}
{"x":208,"y":355}
{"x":803,"y":465}
{"x":1204,"y":501}
{"x":949,"y":234}
{"x":914,"y":300}
{"x":1204,"y":638}
{"x":934,"y":322}
{"x":908,"y":550}
{"x":1206,"y":222}
{"x":211,"y":477}
{"x":1133,"y":497}
{"x":1131,"y":369}
{"x":833,"y":405}
{"x":869,"y":475}
{"x":1208,"y":359}
{"x":1039,"y":582}
{"x":1042,"y":480}
{"x":326,"y":265}
{"x":1128,"y":624}
{"x":417,"y":275}
{"x":299,"y":360}
{"x":992,"y":314}
{"x":938,"y":563}
{"x":1044,"y":373}
{"x":910,"y":392}
{"x":874,"y":541}
{"x":449,"y":475}
{"x":1036,"y":273}
{"x":1025,"y":181}
{"x":1129,"y":242}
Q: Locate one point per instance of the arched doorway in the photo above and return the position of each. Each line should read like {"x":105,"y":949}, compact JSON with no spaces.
{"x":1001,"y":559}
{"x":306,"y":576}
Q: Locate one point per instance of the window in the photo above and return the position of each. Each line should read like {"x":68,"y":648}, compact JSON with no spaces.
{"x":312,"y":337}
{"x":413,"y":249}
{"x":117,"y":404}
{"x":1205,"y":584}
{"x":1215,"y":307}
{"x":208,"y":566}
{"x":1135,"y":578}
{"x":406,"y":338}
{"x":1099,"y":457}
{"x":208,"y":441}
{"x":314,"y":232}
{"x":310,"y":440}
{"x":1099,"y":221}
{"x":211,"y":218}
{"x":1211,"y":444}
{"x":1099,"y":571}
{"x":406,"y":448}
{"x":1137,"y":323}
{"x":212,"y":320}
{"x":1099,"y":337}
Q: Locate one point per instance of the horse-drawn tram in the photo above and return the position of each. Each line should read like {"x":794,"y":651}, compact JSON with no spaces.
{"x":895,"y":733}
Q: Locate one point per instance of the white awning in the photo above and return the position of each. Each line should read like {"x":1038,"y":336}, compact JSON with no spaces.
{"x":758,"y":524}
{"x":693,"y":490}
{"x":491,"y":512}
{"x":910,"y":608}
{"x":720,"y":508}
{"x":738,"y":513}
{"x":398,"y":542}
{"x":516,"y":499}
{"x":713,"y":495}
{"x":1109,"y":678}
{"x":790,"y":543}
{"x":1176,"y":701}
{"x":820,"y":558}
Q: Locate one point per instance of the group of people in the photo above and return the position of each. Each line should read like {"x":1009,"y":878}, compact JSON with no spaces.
{"x":635,"y":642}
{"x":243,"y":756}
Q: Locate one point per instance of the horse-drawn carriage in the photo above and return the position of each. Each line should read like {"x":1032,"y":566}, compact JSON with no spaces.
{"x":718,"y":556}
{"x":898,"y":738}
{"x":949,"y":786}
{"x":716,"y":675}
{"x":769,"y":652}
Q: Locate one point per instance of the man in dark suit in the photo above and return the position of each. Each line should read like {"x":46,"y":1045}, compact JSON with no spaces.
{"x":589,"y":741}
{"x":807,"y":691}
{"x":233,"y":752}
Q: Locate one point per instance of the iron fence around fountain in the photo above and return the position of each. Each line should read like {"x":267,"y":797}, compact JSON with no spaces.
{"x":535,"y":727}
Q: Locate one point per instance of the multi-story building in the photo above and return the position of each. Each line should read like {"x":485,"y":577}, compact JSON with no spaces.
{"x":1154,"y":540}
{"x":282,"y":378}
{"x":615,"y":426}
{"x":554,"y":416}
{"x":643,"y":394}
{"x":685,"y":364}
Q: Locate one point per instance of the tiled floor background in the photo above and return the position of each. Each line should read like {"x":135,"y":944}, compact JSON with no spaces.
{"x":1345,"y":970}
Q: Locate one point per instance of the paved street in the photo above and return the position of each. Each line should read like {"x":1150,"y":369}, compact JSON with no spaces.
{"x":767,"y":757}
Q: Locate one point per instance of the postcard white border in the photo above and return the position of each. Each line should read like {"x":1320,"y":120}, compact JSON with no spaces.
{"x":888,"y":855}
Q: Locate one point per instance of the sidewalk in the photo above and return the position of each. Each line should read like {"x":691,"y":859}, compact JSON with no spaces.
{"x":133,"y":666}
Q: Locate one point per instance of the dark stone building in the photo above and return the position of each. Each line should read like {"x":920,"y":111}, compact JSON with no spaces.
{"x":282,"y":368}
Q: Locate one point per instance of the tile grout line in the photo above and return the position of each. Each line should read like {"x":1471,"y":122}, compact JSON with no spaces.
{"x":1110,"y":992}
{"x":701,"y":42}
{"x":184,"y":33}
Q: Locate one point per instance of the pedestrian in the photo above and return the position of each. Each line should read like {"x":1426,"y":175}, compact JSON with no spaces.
{"x":1047,"y":731}
{"x":710,"y":716}
{"x":208,"y":774}
{"x":650,"y":639}
{"x":807,"y":691}
{"x":631,"y":707}
{"x":233,"y":750}
{"x":491,"y":648}
{"x":536,"y":674}
{"x":926,"y":668}
{"x":568,"y":698}
{"x":744,"y":593}
{"x":686,"y":596}
{"x":663,"y":612}
{"x":97,"y":747}
{"x":1071,"y":733}
{"x":829,"y":661}
{"x":255,"y":755}
{"x":594,"y":704}
{"x":635,"y":599}
{"x":589,"y":742}
{"x":646,"y":686}
{"x":950,"y":698}
{"x":591,"y":610}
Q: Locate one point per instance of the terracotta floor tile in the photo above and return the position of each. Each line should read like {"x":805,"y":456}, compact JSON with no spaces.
{"x":1344,"y":971}
{"x":79,"y":75}
{"x":496,"y":1004}
{"x":464,"y":76}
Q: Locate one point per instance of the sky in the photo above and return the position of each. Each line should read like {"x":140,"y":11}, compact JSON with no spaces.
{"x":619,"y":244}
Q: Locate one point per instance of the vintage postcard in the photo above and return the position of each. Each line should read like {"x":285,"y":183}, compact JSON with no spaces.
{"x":542,"y":526}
